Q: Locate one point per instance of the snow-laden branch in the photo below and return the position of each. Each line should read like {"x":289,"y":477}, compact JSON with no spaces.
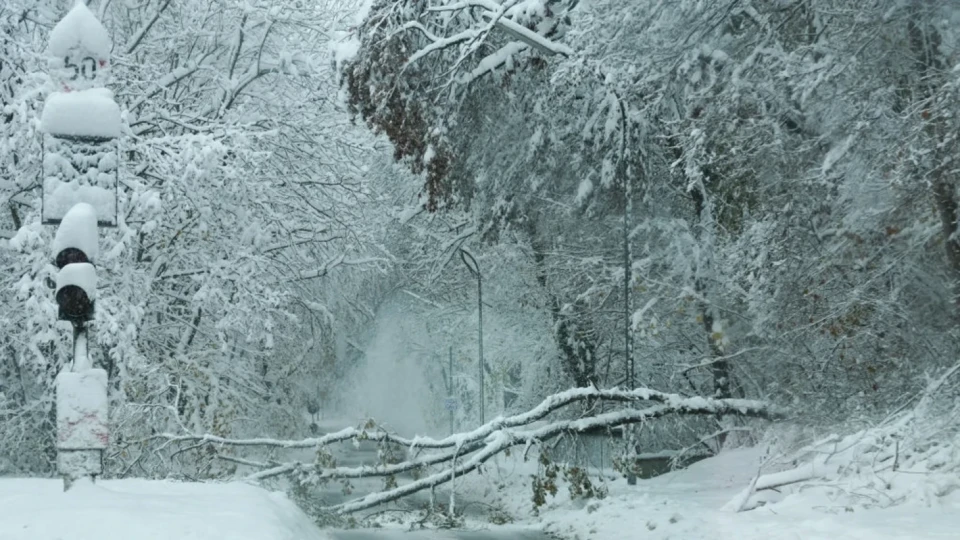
{"x":138,"y":37}
{"x":493,"y":61}
{"x":530,"y":37}
{"x":574,"y":395}
{"x":314,"y":442}
{"x":366,"y":471}
{"x":552,"y":403}
{"x":497,"y":18}
{"x":485,"y":4}
{"x":339,"y":260}
{"x":169,"y":80}
{"x":438,"y":43}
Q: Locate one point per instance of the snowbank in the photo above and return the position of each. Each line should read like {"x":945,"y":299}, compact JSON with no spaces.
{"x":693,"y":504}
{"x":38,"y":509}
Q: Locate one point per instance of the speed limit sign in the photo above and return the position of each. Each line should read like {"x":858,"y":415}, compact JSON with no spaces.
{"x":79,"y":50}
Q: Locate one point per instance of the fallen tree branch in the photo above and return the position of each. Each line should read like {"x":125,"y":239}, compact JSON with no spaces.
{"x":550,"y":404}
{"x":505,"y":439}
{"x":462,"y":453}
{"x":368,"y":471}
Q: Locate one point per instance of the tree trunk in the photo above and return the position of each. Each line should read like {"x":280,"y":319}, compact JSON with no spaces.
{"x":573,"y":332}
{"x":719,"y":368}
{"x":925,"y":42}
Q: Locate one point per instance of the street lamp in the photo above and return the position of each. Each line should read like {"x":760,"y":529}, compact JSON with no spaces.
{"x":80,"y":127}
{"x":474,"y":269}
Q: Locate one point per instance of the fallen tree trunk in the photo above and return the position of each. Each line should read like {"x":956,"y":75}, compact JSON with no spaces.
{"x":505,"y":439}
{"x":547,"y":406}
{"x":464,"y":452}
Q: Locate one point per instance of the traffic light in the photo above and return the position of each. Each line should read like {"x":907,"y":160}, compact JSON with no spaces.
{"x":75,"y":248}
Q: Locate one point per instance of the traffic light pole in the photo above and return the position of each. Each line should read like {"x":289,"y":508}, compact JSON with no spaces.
{"x":80,"y":126}
{"x":81,"y":424}
{"x":81,"y":360}
{"x":81,"y":363}
{"x":81,"y":389}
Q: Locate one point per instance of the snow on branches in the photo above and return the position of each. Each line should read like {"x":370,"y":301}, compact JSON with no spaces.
{"x":391,"y":80}
{"x":462,"y":453}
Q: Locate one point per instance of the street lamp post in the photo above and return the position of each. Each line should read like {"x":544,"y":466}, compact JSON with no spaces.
{"x":474,"y":269}
{"x":451,"y":400}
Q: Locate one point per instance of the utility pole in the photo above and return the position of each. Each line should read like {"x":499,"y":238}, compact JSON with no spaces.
{"x":624,"y":173}
{"x":627,"y":256}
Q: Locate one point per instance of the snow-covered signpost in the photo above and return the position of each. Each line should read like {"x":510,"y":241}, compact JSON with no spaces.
{"x":80,"y":121}
{"x":81,"y":130}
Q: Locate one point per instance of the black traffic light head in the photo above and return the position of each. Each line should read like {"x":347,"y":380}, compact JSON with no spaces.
{"x":75,"y":305}
{"x":76,"y":292}
{"x":70,"y":255}
{"x":75,"y":246}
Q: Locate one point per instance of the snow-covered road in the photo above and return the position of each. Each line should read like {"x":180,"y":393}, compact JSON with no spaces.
{"x":38,"y":509}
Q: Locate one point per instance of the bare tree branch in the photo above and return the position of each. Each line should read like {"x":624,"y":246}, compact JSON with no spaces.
{"x":138,"y":37}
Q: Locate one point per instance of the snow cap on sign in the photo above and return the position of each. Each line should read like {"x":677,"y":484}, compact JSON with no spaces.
{"x":86,"y":113}
{"x":80,"y":29}
{"x":78,"y":230}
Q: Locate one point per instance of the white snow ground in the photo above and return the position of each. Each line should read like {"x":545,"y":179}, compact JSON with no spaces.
{"x":910,"y":494}
{"x":692,"y":504}
{"x":38,"y":509}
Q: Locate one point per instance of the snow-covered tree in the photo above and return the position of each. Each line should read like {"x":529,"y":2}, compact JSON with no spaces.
{"x":772,"y":164}
{"x":241,"y":197}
